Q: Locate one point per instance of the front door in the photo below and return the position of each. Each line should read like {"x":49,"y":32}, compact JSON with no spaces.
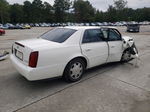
{"x":115,"y":44}
{"x":94,"y":47}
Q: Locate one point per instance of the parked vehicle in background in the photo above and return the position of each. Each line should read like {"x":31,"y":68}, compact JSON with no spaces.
{"x":18,"y":26}
{"x":144,"y":23}
{"x":5,"y":26}
{"x":36,"y":25}
{"x":69,"y":51}
{"x":11,"y":26}
{"x":31,"y":24}
{"x":1,"y":26}
{"x":2,"y":31}
{"x":26,"y":26}
{"x":133,"y":28}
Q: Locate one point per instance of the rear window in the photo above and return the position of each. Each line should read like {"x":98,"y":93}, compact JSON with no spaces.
{"x":58,"y":35}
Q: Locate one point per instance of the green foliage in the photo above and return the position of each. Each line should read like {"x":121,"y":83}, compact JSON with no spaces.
{"x":16,"y":13}
{"x":84,"y":11}
{"x":99,"y":16}
{"x":48,"y":15}
{"x":61,"y":7}
{"x":27,"y":8}
{"x":111,"y":14}
{"x":37,"y":8}
{"x":67,"y":11}
{"x":37,"y":11}
{"x":4,"y":11}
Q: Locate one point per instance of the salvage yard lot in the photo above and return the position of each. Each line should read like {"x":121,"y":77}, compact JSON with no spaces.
{"x":113,"y":87}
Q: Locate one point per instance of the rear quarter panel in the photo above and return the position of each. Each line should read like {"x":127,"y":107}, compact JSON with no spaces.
{"x":55,"y":60}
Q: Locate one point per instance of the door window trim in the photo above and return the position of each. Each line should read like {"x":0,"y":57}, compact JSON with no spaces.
{"x":114,"y":32}
{"x":108,"y":33}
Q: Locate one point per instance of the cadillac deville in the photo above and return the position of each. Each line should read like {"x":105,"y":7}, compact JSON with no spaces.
{"x":69,"y":51}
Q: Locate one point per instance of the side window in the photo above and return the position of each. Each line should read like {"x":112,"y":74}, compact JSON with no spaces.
{"x":114,"y":35}
{"x":92,"y":35}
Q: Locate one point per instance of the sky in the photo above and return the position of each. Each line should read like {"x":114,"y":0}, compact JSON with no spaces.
{"x":100,"y":4}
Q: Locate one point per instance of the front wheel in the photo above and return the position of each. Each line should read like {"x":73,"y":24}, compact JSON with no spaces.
{"x":126,"y":56}
{"x":74,"y":70}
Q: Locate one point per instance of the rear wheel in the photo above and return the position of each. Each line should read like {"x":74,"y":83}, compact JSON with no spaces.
{"x":74,"y":70}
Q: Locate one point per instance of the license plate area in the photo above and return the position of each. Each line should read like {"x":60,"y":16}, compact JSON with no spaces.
{"x":19,"y":54}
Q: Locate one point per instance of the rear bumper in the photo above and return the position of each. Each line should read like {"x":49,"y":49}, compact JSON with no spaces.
{"x":39,"y":73}
{"x":21,"y":68}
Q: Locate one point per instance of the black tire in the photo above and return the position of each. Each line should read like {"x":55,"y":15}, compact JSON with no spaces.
{"x":126,"y":52}
{"x":130,"y":51}
{"x":74,"y":75}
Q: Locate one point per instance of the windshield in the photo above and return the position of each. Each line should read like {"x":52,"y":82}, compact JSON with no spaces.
{"x":58,"y":35}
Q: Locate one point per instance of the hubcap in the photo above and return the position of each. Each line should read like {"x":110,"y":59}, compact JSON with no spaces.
{"x":76,"y":70}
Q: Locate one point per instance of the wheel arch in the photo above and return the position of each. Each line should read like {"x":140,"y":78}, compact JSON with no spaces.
{"x":77,"y":57}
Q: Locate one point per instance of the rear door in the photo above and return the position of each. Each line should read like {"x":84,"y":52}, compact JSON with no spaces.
{"x":94,"y":47}
{"x":115,"y":43}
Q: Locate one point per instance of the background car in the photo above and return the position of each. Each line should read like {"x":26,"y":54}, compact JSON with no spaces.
{"x":2,"y":31}
{"x":11,"y":26}
{"x":18,"y":26}
{"x":26,"y":26}
{"x":133,"y":28}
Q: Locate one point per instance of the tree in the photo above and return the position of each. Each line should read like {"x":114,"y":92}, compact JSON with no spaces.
{"x":99,"y":16}
{"x":48,"y":14}
{"x":27,"y":8}
{"x":37,"y":11}
{"x":16,"y":13}
{"x":112,"y":14}
{"x":120,"y":4}
{"x":61,"y":7}
{"x":4,"y":11}
{"x":84,"y":11}
{"x":67,"y":11}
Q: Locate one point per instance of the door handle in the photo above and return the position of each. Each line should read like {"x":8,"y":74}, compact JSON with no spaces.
{"x":87,"y":50}
{"x":112,"y":46}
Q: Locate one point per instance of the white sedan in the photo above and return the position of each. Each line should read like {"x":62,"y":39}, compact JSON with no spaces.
{"x":69,"y":51}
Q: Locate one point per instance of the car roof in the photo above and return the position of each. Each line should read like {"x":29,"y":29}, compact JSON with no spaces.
{"x":87,"y":27}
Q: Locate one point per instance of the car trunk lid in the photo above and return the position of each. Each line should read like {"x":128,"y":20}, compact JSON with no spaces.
{"x":23,"y":49}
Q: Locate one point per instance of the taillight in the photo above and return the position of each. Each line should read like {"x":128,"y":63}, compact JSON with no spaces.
{"x":33,"y":59}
